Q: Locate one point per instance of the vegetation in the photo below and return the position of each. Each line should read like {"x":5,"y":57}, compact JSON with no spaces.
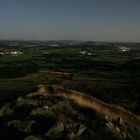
{"x":99,"y":69}
{"x":51,"y":117}
{"x":17,"y":70}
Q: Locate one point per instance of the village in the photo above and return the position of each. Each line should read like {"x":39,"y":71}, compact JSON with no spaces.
{"x":10,"y":53}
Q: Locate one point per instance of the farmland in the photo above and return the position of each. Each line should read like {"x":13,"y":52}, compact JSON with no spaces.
{"x":107,"y":73}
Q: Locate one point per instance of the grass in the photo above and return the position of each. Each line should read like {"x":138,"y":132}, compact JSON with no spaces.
{"x":102,"y":75}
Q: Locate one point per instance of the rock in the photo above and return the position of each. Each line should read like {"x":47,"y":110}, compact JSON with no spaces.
{"x":118,"y":130}
{"x":26,"y":102}
{"x":50,"y":117}
{"x":129,"y":137}
{"x":32,"y":138}
{"x":41,"y":89}
{"x":124,"y":135}
{"x":107,"y":118}
{"x":71,"y":136}
{"x":6,"y":110}
{"x":46,"y":107}
{"x":110,"y":125}
{"x":88,"y":135}
{"x":56,"y":131}
{"x":42,"y":111}
{"x":82,"y":129}
{"x":121,"y":122}
{"x":20,"y":125}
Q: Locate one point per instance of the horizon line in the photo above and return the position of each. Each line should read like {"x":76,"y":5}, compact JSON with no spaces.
{"x":45,"y":40}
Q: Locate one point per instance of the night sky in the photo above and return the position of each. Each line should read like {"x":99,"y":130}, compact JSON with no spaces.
{"x":97,"y":20}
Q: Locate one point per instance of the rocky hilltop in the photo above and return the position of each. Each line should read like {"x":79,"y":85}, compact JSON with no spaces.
{"x":56,"y":113}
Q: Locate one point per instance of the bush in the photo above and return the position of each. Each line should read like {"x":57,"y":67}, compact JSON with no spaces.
{"x":13,"y":71}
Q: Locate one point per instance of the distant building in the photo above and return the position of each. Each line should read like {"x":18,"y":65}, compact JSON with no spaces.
{"x":13,"y":53}
{"x":54,"y":45}
{"x":83,"y":52}
{"x":124,"y":49}
{"x":89,"y":53}
{"x":1,"y":53}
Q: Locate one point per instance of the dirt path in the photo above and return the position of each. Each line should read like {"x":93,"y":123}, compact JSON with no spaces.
{"x":111,"y":111}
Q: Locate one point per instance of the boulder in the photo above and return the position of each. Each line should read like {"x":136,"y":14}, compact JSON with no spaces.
{"x":32,"y":138}
{"x":56,"y":131}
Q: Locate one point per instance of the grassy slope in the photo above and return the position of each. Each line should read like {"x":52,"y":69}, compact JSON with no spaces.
{"x":105,"y":75}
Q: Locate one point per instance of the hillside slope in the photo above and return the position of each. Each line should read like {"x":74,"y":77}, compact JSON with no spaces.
{"x":57,"y":113}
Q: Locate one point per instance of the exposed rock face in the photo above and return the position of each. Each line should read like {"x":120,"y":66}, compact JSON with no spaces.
{"x":56,"y":131}
{"x":32,"y":138}
{"x":41,"y":116}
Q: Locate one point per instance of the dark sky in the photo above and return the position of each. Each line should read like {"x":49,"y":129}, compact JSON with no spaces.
{"x":101,"y":20}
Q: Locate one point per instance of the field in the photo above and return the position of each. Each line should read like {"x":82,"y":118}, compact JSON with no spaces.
{"x":69,"y":90}
{"x":103,"y":71}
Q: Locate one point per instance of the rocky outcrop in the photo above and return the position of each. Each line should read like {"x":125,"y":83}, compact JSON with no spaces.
{"x":111,"y":111}
{"x":57,"y":113}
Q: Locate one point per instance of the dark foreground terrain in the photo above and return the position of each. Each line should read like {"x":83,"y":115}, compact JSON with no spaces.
{"x":45,"y":116}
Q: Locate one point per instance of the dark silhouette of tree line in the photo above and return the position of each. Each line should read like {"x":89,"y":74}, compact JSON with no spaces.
{"x":17,"y":70}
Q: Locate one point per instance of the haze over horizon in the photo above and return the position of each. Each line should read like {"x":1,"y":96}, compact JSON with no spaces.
{"x":97,"y":20}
